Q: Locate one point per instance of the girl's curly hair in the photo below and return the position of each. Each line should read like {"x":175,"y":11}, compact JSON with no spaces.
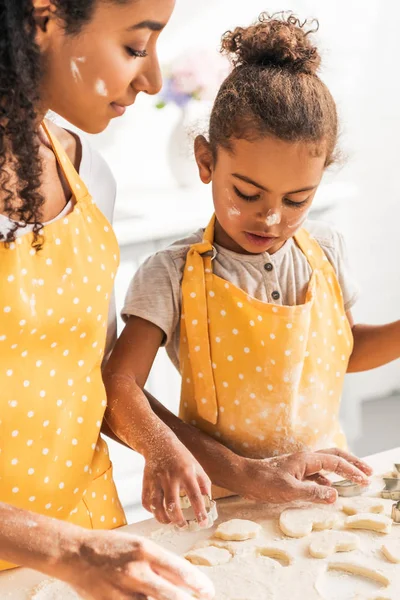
{"x":21,"y":66}
{"x":274,"y":88}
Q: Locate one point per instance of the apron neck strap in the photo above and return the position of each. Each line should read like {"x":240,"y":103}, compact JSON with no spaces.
{"x":77,"y":186}
{"x":311,"y":249}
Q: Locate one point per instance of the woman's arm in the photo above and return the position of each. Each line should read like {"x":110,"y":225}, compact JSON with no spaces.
{"x":374,"y":345}
{"x":98,"y":564}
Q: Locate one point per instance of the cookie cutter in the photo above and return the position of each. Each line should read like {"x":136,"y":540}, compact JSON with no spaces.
{"x":396,"y":512}
{"x":391,"y":490}
{"x":188,"y":513}
{"x":348,"y":489}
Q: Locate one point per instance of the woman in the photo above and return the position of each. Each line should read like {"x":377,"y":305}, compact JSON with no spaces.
{"x":86,"y":60}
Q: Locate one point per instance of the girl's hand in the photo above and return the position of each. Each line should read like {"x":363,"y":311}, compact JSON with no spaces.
{"x":298,"y":476}
{"x":108,"y":565}
{"x":171,"y":470}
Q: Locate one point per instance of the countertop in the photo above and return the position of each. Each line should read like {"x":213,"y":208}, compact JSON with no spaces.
{"x":17,"y":584}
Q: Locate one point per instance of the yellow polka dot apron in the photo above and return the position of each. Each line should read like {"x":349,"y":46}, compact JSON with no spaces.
{"x":263,"y":379}
{"x":53,"y":324}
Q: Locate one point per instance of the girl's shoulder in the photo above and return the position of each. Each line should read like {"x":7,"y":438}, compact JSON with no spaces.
{"x":327,"y":236}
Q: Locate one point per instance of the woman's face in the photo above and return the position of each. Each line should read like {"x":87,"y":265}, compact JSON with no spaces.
{"x":91,"y":77}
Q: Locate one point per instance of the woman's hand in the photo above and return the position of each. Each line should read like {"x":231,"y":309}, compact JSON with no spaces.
{"x":171,"y":470}
{"x":298,"y":476}
{"x":108,"y":565}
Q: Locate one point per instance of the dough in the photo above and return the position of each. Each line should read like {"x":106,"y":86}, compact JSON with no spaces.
{"x":245,"y":577}
{"x":378,"y":523}
{"x":354,"y":506}
{"x":360,"y":569}
{"x":276,"y":553}
{"x":209,"y":556}
{"x":238,"y":530}
{"x":298,"y":522}
{"x":53,"y":590}
{"x":326,"y":543}
{"x":391,"y":549}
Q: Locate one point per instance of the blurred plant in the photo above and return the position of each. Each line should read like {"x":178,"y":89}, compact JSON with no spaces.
{"x":196,"y":75}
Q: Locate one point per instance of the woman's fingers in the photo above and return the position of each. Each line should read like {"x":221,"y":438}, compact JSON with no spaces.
{"x":354,"y":460}
{"x":177,"y":570}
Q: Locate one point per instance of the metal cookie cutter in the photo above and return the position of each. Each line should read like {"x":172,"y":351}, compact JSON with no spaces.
{"x":392,"y":488}
{"x":188,"y":513}
{"x":347,"y":488}
{"x":396,"y":512}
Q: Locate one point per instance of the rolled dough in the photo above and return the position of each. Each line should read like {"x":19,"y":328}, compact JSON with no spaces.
{"x":391,"y":549}
{"x":298,"y":522}
{"x":364,"y":570}
{"x":276,"y":553}
{"x":378,"y":523}
{"x":238,"y":530}
{"x":209,"y":556}
{"x":326,"y":543}
{"x":355,"y":506}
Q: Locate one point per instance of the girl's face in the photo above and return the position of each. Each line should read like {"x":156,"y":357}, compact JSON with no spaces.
{"x":91,"y":77}
{"x":262,"y":190}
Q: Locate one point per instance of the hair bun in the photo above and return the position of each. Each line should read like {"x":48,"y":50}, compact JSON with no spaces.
{"x":280,"y":40}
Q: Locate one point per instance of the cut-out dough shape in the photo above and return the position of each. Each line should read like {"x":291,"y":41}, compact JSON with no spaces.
{"x":391,"y":549}
{"x":378,"y":523}
{"x":326,"y":543}
{"x":360,"y":569}
{"x":210,"y":556}
{"x":276,"y":553}
{"x":298,"y":522}
{"x":355,"y":506}
{"x":238,"y":530}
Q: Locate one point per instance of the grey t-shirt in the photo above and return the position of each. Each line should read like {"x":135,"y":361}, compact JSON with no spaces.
{"x":155,"y":291}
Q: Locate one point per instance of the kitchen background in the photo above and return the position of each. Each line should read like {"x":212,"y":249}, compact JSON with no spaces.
{"x":358,"y":39}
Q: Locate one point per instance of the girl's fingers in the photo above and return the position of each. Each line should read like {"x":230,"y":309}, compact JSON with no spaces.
{"x":317,"y":461}
{"x":354,"y":460}
{"x":312,"y":492}
{"x":177,"y":570}
{"x":173,"y":504}
{"x":197,"y":501}
{"x":204,"y":484}
{"x":157,"y":506}
{"x":319,"y":479}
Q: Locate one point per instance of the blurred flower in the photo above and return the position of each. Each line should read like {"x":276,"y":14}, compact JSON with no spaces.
{"x":196,"y":75}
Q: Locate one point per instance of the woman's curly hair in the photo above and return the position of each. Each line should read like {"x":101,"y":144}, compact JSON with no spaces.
{"x":21,"y":67}
{"x":274,"y":88}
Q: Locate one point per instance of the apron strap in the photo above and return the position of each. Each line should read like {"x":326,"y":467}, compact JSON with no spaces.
{"x":316,"y":257}
{"x":77,"y":186}
{"x":198,"y":270}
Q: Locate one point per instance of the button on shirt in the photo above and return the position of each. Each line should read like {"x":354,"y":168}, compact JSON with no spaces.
{"x":155,"y":291}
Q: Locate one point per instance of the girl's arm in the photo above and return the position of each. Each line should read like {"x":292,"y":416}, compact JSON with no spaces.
{"x":170,"y":468}
{"x":374,"y":345}
{"x":132,"y":419}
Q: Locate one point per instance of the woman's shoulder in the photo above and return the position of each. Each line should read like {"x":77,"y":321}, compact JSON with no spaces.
{"x":91,"y":166}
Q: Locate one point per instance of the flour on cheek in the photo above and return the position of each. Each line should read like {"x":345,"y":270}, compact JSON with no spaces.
{"x":75,"y":70}
{"x":101,"y":88}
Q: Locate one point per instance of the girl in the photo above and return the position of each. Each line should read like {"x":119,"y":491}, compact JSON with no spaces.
{"x":255,"y":309}
{"x":86,"y":60}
